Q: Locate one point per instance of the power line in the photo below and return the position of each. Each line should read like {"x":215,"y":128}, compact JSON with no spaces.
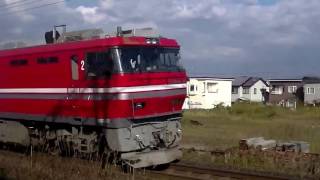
{"x":31,"y":8}
{"x":13,"y":3}
{"x":22,"y":3}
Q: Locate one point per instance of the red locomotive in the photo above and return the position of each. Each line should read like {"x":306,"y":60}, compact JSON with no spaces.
{"x":81,"y":93}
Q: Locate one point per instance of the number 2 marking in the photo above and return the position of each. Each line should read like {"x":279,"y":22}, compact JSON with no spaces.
{"x":82,"y":65}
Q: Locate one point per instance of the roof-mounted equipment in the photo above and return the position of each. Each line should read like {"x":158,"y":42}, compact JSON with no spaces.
{"x":65,"y":36}
{"x":144,"y":32}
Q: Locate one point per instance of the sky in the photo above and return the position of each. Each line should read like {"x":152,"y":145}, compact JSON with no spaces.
{"x":266,"y":38}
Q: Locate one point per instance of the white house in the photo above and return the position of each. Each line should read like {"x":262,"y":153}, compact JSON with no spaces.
{"x":311,"y":87}
{"x":249,"y":89}
{"x":208,"y":92}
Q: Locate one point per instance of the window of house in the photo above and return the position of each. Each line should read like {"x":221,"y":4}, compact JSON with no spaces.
{"x":204,"y":87}
{"x":246,"y":90}
{"x":277,"y":90}
{"x":310,"y":90}
{"x":192,"y":89}
{"x":212,"y":87}
{"x":235,"y":90}
{"x":292,"y":89}
{"x":291,"y":104}
{"x":254,"y":90}
{"x":19,"y":62}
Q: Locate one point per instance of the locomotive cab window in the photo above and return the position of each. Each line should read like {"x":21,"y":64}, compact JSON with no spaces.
{"x":98,"y":65}
{"x":146,"y":59}
{"x":74,"y":67}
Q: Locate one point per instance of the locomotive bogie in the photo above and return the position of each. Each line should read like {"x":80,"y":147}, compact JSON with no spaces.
{"x":14,"y":133}
{"x":150,"y":143}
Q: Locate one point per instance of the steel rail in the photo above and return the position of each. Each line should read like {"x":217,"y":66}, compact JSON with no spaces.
{"x":185,"y":171}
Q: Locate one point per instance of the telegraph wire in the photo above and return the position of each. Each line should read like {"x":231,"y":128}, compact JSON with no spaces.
{"x":31,"y":8}
{"x":12,"y":3}
{"x":23,"y":3}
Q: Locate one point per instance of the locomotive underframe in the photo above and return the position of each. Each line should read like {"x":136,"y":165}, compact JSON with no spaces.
{"x":138,"y":143}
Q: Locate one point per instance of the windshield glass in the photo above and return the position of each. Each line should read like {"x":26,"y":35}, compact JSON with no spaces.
{"x":145,"y":59}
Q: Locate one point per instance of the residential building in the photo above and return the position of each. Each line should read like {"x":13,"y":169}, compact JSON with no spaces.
{"x":311,"y":86}
{"x":249,"y":89}
{"x":286,"y":92}
{"x":208,"y":92}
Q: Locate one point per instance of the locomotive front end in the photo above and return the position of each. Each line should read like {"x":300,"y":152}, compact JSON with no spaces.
{"x":156,"y":89}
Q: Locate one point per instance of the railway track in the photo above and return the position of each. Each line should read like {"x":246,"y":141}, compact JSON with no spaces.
{"x":185,"y":171}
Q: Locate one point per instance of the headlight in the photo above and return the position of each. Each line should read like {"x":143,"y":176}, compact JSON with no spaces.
{"x":179,"y":132}
{"x":138,"y":138}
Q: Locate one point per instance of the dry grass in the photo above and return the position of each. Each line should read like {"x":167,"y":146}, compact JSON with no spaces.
{"x":44,"y":167}
{"x":294,"y":165}
{"x":224,"y":127}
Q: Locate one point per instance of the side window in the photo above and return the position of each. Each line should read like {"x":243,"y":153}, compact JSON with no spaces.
{"x":20,"y":62}
{"x":53,"y":60}
{"x":98,"y":65}
{"x":42,"y":61}
{"x":49,"y":60}
{"x":74,"y":67}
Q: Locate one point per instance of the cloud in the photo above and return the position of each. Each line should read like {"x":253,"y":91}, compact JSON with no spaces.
{"x":106,"y":4}
{"x":91,"y":14}
{"x":222,"y":37}
{"x":28,"y":25}
{"x":226,"y":51}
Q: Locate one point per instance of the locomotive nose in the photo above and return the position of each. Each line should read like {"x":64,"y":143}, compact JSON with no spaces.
{"x":159,"y":141}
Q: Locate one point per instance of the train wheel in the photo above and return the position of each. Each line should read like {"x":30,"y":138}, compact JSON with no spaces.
{"x":53,"y":148}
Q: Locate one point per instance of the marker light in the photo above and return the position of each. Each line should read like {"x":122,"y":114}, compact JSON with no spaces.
{"x":153,"y":41}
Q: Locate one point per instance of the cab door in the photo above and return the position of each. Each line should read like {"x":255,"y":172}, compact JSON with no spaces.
{"x":73,"y":96}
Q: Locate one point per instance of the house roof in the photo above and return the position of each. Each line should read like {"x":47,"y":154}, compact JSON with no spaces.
{"x":238,"y":81}
{"x":211,"y":77}
{"x":246,"y":81}
{"x":311,"y":80}
{"x":251,"y":81}
{"x":285,"y":80}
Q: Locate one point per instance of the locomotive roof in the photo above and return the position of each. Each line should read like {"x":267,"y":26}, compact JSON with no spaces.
{"x":93,"y":43}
